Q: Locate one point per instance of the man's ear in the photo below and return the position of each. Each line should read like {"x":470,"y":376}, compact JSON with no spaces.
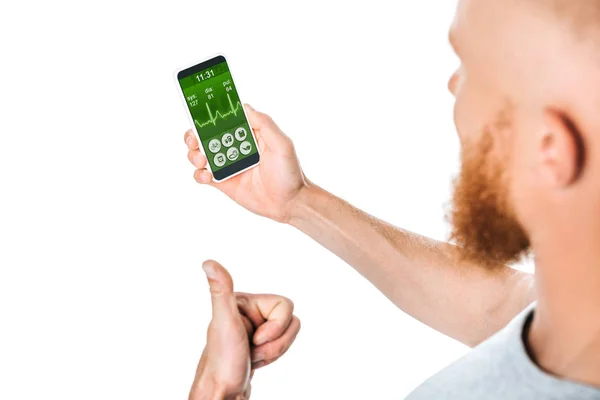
{"x":560,"y":150}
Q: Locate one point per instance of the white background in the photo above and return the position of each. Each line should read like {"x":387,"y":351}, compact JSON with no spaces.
{"x":103,"y":229}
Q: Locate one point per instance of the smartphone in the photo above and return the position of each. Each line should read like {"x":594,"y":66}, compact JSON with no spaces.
{"x":218,"y":118}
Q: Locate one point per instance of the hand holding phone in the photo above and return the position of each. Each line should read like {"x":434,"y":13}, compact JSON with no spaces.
{"x":271,"y":188}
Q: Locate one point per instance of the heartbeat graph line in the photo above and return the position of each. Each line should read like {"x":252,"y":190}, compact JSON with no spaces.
{"x":213,"y":119}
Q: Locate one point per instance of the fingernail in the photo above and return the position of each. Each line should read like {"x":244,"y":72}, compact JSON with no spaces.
{"x":209,"y":270}
{"x":257,"y":357}
{"x":260,"y":340}
{"x":188,"y":141}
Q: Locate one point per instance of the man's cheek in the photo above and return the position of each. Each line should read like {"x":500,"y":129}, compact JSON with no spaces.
{"x":472,"y":118}
{"x":522,"y":188}
{"x":461,"y":119}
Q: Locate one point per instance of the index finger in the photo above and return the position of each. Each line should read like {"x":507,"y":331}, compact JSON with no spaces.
{"x":190,"y":140}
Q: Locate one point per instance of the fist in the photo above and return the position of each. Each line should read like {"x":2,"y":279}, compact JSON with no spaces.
{"x":247,"y":332}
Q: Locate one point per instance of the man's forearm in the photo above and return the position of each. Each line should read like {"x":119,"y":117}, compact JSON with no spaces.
{"x":423,"y":277}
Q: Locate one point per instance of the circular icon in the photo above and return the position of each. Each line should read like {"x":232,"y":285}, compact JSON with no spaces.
{"x":233,"y":154}
{"x":240,"y":134}
{"x":214,"y":145}
{"x":220,"y":160}
{"x":227,"y":139}
{"x":246,"y":148}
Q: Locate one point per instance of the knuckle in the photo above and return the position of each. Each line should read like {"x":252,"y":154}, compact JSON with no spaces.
{"x":288,"y":303}
{"x":211,"y":330}
{"x":289,"y":144}
{"x":265,"y":118}
{"x":280,"y":349}
{"x":242,"y":301}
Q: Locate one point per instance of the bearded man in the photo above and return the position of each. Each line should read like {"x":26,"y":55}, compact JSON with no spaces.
{"x":527,"y":113}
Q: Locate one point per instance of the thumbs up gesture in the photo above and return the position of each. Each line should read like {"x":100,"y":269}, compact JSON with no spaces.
{"x":247,"y":332}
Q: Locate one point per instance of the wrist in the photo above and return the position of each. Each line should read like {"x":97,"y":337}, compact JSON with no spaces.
{"x":302,"y":206}
{"x":205,"y":387}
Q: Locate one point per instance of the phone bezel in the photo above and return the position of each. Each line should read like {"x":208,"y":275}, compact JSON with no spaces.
{"x":239,"y":166}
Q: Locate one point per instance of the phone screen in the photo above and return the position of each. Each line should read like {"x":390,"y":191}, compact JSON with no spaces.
{"x":218,"y":116}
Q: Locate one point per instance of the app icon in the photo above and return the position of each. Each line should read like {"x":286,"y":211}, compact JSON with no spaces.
{"x":220,"y":159}
{"x":214,"y":145}
{"x":246,"y":147}
{"x":233,"y":154}
{"x":240,"y":134}
{"x":227,"y":139}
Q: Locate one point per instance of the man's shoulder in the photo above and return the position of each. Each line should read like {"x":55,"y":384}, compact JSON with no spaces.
{"x":485,"y":372}
{"x":501,"y":368}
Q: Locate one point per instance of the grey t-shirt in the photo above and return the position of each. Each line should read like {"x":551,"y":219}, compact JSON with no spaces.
{"x":500,"y":368}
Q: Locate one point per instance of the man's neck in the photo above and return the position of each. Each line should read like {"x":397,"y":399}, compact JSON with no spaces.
{"x":564,"y":338}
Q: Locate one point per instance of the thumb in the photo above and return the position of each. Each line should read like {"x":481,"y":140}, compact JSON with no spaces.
{"x":266,"y":127}
{"x":223,"y":300}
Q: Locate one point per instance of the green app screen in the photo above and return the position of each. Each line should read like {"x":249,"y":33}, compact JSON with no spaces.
{"x":218,"y":116}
